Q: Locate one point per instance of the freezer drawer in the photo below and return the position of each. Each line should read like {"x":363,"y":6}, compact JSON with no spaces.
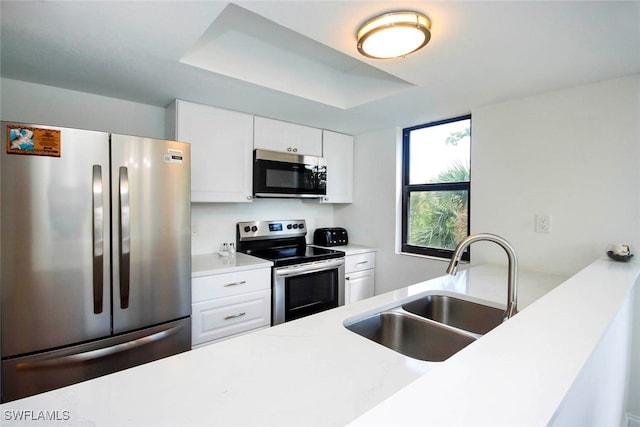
{"x":29,"y":375}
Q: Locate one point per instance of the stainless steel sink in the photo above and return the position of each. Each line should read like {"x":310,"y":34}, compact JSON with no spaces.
{"x":412,"y":336}
{"x":459,"y":313}
{"x":431,"y":328}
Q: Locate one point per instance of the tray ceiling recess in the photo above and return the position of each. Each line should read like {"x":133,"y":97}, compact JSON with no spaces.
{"x":246,"y":46}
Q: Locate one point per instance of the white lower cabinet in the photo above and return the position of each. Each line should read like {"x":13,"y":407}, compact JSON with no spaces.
{"x":358,"y":285}
{"x":228,"y":304}
{"x":359,"y":276}
{"x":224,"y":317}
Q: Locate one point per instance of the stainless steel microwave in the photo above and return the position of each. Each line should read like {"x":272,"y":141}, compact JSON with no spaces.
{"x":277,"y":174}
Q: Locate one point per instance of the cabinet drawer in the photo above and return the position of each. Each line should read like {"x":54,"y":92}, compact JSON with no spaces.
{"x":359,"y":262}
{"x":222,"y":317}
{"x":229,"y":284}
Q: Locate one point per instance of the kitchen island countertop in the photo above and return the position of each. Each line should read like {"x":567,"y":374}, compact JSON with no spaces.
{"x":309,"y":372}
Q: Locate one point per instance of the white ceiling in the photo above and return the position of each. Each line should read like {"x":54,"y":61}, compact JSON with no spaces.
{"x":297,"y":60}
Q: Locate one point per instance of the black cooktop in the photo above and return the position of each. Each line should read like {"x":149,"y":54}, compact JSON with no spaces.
{"x":282,"y":242}
{"x":283,"y":256}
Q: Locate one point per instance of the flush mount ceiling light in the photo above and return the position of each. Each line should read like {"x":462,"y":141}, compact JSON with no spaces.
{"x":394,"y":34}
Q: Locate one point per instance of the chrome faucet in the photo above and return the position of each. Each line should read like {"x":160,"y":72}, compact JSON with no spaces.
{"x":512,"y":289}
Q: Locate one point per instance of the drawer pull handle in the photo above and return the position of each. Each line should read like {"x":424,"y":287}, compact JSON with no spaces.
{"x":362,"y":262}
{"x":234,"y":316}
{"x":235,"y":283}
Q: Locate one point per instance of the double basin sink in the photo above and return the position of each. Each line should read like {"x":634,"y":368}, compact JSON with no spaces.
{"x":431,"y":328}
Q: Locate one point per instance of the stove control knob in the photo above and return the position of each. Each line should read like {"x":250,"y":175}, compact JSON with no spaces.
{"x":254,"y":228}
{"x":301,"y":226}
{"x":247,"y":229}
{"x":288,"y":226}
{"x":295,"y":226}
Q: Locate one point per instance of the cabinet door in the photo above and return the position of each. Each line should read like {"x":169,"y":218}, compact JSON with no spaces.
{"x":51,"y":256}
{"x":222,"y":317}
{"x":221,"y":151}
{"x":358,"y":286}
{"x":338,"y":151}
{"x":151,"y":245}
{"x":286,"y":137}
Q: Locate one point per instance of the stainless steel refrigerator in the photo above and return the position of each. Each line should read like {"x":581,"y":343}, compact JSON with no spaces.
{"x":96,"y":254}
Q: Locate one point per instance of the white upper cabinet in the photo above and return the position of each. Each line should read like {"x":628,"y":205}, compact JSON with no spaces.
{"x":276,"y":135}
{"x":221,"y":150}
{"x":338,"y":151}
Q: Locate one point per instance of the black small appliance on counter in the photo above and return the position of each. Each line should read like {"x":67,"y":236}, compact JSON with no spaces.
{"x":330,"y":236}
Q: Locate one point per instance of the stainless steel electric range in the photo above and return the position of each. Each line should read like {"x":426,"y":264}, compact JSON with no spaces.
{"x":305,"y":279}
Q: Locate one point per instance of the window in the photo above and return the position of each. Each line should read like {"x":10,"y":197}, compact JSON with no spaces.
{"x":435,"y":187}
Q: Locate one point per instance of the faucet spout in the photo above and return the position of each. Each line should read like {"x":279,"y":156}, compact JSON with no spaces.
{"x":512,"y":285}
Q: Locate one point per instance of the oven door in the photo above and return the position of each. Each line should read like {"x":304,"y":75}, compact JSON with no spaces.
{"x":304,"y":289}
{"x":288,"y":175}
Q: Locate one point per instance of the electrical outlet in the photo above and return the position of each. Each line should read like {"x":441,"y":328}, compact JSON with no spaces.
{"x":543,"y":224}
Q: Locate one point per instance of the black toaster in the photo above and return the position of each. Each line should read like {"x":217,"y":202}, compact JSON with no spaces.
{"x":330,"y":236}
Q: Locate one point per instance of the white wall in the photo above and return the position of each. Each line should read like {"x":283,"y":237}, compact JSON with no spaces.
{"x":40,"y":104}
{"x":215,"y":223}
{"x":572,"y":154}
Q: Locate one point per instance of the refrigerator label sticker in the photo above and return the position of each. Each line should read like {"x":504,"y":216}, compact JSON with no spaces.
{"x":33,"y":141}
{"x":173,"y":156}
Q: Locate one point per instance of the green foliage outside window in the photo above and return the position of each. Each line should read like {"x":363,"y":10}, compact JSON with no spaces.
{"x":439,"y":219}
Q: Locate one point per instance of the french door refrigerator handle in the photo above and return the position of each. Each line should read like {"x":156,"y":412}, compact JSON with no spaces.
{"x":125,"y":237}
{"x":98,"y":239}
{"x":98,"y":353}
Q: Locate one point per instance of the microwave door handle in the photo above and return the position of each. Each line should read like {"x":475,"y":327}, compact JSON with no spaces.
{"x":125,"y":237}
{"x":98,"y":238}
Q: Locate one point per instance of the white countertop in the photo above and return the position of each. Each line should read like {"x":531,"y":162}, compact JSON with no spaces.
{"x":205,"y":265}
{"x":521,"y":372}
{"x":315,"y":372}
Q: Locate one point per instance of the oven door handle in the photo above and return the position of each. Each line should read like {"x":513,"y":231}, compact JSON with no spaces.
{"x":311,"y":268}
